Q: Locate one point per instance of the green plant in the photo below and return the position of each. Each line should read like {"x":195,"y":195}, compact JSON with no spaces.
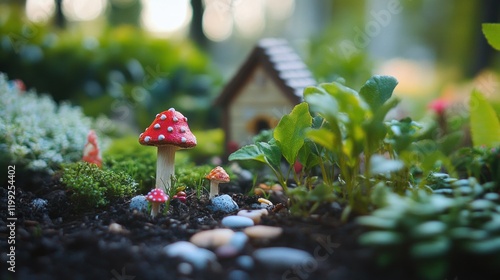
{"x":128,"y":156}
{"x":36,"y":133}
{"x":344,"y":132}
{"x":92,"y":186}
{"x":435,"y":233}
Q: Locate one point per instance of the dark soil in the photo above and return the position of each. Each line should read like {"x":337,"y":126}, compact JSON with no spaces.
{"x":59,"y":243}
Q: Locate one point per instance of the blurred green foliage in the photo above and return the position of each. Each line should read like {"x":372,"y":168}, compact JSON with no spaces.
{"x":92,"y":186}
{"x":121,"y":72}
{"x":437,"y":234}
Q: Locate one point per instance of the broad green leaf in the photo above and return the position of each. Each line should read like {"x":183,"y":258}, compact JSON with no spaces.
{"x":492,"y":33}
{"x":249,"y":152}
{"x":323,"y":137}
{"x":290,"y":131}
{"x":325,"y":105}
{"x":271,"y":152}
{"x":485,"y":127}
{"x":308,"y":155}
{"x":377,"y":90}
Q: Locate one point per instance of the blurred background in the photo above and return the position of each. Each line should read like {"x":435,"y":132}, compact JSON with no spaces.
{"x":129,"y":59}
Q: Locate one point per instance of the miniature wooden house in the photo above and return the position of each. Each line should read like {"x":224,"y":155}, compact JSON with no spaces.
{"x":267,"y":86}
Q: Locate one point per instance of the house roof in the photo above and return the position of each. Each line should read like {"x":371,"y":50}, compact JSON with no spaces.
{"x":281,"y":63}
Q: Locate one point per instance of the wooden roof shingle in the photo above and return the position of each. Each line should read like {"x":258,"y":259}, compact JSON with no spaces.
{"x":280,"y":62}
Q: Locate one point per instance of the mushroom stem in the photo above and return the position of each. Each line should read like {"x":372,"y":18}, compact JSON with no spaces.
{"x":155,"y":209}
{"x":165,"y":167}
{"x":214,"y":188}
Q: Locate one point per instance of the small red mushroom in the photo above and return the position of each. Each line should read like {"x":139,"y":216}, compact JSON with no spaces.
{"x":216,"y":176}
{"x":169,"y":132}
{"x":91,"y":152}
{"x":156,"y":197}
{"x":181,"y":196}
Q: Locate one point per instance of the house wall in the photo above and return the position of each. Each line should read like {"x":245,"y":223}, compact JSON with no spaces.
{"x":260,"y":98}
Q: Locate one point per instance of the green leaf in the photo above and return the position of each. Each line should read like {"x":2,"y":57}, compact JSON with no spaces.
{"x":381,"y":165}
{"x":290,"y":131}
{"x":492,"y":33}
{"x":323,"y":137}
{"x":271,"y":152}
{"x":380,"y":238}
{"x":431,"y":248}
{"x":377,"y":90}
{"x":485,"y":127}
{"x":249,"y":152}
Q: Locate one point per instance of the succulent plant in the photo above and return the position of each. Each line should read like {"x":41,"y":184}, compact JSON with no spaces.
{"x":436,"y":232}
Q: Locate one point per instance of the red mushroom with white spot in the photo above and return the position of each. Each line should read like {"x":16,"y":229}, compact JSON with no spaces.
{"x":156,"y":197}
{"x":216,"y":176}
{"x":169,"y":132}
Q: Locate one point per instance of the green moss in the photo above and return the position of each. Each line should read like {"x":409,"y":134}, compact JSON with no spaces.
{"x":91,"y":186}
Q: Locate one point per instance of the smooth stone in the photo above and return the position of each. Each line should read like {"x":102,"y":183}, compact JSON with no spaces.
{"x":188,"y":252}
{"x":238,"y":275}
{"x":212,"y":238}
{"x":283,"y":257}
{"x":263,"y":232}
{"x":223,"y":203}
{"x":139,"y":203}
{"x":226,"y":251}
{"x":237,"y":222}
{"x":255,"y":215}
{"x":239,"y":240}
{"x":245,"y":262}
{"x":116,"y":228}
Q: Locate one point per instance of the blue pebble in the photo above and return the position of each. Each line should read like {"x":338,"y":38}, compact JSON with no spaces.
{"x":245,"y":262}
{"x":39,"y":204}
{"x":238,"y":240}
{"x":223,"y":203}
{"x":237,"y":222}
{"x":139,"y":203}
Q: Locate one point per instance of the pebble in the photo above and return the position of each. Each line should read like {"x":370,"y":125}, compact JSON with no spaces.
{"x":212,"y":238}
{"x":223,"y":203}
{"x":283,"y":257}
{"x":116,"y":228}
{"x":39,"y":204}
{"x":255,"y":215}
{"x":263,"y":232}
{"x":188,"y":252}
{"x":226,"y":251}
{"x":139,"y":203}
{"x":239,"y":240}
{"x":264,"y":202}
{"x":245,"y":262}
{"x":238,"y":275}
{"x":237,"y":222}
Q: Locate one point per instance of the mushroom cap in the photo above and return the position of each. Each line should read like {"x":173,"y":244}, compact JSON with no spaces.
{"x":168,"y":128}
{"x":156,"y":195}
{"x":218,"y":174}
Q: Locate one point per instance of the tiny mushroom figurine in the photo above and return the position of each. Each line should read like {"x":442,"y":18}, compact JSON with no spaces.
{"x":169,"y":132}
{"x":216,"y":176}
{"x":91,"y":152}
{"x":156,"y":197}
